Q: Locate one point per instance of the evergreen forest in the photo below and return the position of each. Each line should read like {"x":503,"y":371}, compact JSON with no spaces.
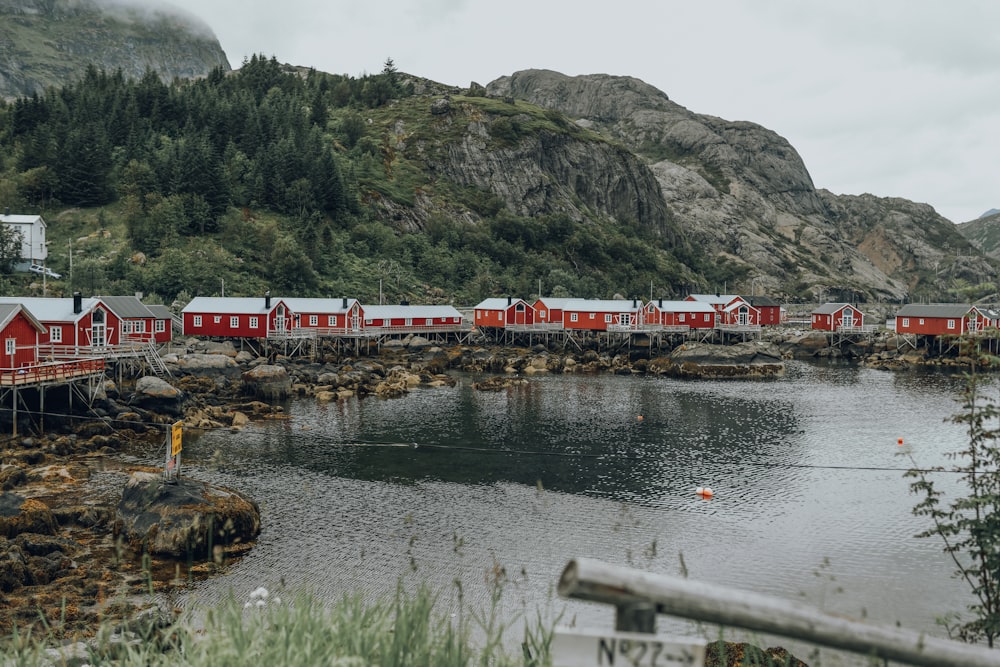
{"x":282,"y":179}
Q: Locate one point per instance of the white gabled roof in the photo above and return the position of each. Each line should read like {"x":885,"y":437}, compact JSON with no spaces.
{"x":229,"y":305}
{"x":386,"y":312}
{"x":21,"y":219}
{"x":51,"y":309}
{"x":683,"y":306}
{"x":317,"y":305}
{"x":497,"y":303}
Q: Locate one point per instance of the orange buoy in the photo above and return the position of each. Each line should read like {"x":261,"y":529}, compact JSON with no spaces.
{"x":899,"y":442}
{"x":704,"y":492}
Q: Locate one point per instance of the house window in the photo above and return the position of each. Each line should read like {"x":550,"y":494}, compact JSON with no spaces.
{"x":234,"y":322}
{"x":139,"y":326}
{"x":197,"y":320}
{"x":368,"y":322}
{"x":428,"y":322}
{"x":593,"y":315}
{"x":572,"y":317}
{"x":254,"y":322}
{"x":680,"y":317}
{"x":126,"y":326}
{"x":541,"y":314}
{"x":906,"y":321}
{"x":55,"y":334}
{"x":607,"y":318}
{"x":11,"y":346}
{"x":331,"y":320}
{"x":951,"y":324}
{"x":408,"y":322}
{"x":706,"y":317}
{"x":160,"y":326}
{"x":921,"y":321}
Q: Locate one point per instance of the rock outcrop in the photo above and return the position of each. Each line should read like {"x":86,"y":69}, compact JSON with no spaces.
{"x":52,"y":42}
{"x":744,"y":195}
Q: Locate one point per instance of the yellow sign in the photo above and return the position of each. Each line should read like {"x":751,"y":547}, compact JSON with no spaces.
{"x":176,"y":435}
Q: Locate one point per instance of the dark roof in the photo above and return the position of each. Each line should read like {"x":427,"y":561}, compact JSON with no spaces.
{"x":126,"y":307}
{"x":830,"y":308}
{"x":934,"y":310}
{"x":160,"y":312}
{"x":758,"y":301}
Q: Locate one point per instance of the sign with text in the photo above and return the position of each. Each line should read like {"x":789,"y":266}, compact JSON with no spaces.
{"x":176,"y":438}
{"x":572,"y":647}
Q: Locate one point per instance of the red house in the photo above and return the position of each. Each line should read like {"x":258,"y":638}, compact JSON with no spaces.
{"x":549,"y":309}
{"x":940,"y":319}
{"x":236,"y":317}
{"x":74,"y":325}
{"x":20,"y":332}
{"x":406,"y":318}
{"x":338,"y":314}
{"x":675,"y":314}
{"x":717,"y":301}
{"x":768,"y":309}
{"x":163,"y":325}
{"x":603,"y":315}
{"x":138,"y":322}
{"x":837,"y":317}
{"x":739,"y":313}
{"x":502,"y":313}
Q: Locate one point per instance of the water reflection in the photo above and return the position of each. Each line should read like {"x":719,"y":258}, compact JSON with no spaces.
{"x":806,"y":469}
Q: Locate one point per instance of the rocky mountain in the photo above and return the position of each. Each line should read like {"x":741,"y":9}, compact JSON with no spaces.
{"x":984,"y":233}
{"x":51,"y":42}
{"x":742,"y":193}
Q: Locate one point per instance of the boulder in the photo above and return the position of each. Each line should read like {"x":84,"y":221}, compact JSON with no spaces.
{"x":25,"y":515}
{"x":195,"y":363}
{"x":267,"y":381}
{"x":186,"y":519}
{"x":157,"y":395}
{"x":748,"y":359}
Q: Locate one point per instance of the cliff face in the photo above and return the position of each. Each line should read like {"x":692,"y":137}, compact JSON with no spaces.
{"x":51,"y":42}
{"x":742,"y":193}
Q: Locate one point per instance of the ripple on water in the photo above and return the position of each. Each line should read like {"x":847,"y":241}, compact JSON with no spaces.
{"x":809,"y":499}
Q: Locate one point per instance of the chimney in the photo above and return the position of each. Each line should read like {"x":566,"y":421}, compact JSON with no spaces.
{"x":345,"y":303}
{"x":77,"y":303}
{"x":510,"y":300}
{"x":661,"y":303}
{"x":267,"y":300}
{"x":635,"y":302}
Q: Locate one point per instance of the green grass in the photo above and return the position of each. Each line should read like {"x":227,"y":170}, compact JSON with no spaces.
{"x":407,"y":630}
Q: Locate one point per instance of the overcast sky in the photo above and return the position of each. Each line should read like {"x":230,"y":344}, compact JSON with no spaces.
{"x":897,"y":98}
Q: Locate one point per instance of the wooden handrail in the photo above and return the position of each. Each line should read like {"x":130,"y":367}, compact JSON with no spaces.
{"x":596,"y":581}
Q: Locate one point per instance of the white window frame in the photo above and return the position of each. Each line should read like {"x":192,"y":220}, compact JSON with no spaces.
{"x":197,"y":321}
{"x":331,"y":320}
{"x":680,"y":317}
{"x":254,"y":322}
{"x":217,"y":319}
{"x":572,"y":317}
{"x":314,"y":320}
{"x":951,"y":324}
{"x":55,"y":334}
{"x":608,"y":319}
{"x":234,"y":321}
{"x":160,"y":326}
{"x":10,"y":346}
{"x":906,"y":322}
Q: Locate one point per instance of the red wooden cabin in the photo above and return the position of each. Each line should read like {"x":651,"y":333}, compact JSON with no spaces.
{"x":603,"y":315}
{"x":236,"y":317}
{"x":501,"y":313}
{"x":940,"y":319}
{"x":20,"y":332}
{"x":163,"y":324}
{"x":550,"y":309}
{"x":692,"y":314}
{"x":342,"y":314}
{"x":837,"y":317}
{"x":768,"y":309}
{"x":138,"y":322}
{"x":740,"y":313}
{"x":405,"y":318}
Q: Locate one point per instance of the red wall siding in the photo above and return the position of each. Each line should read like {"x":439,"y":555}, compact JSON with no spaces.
{"x":26,"y":337}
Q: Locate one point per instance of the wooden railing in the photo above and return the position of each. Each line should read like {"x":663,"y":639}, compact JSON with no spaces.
{"x":365,"y":331}
{"x":53,"y":371}
{"x":638,"y":596}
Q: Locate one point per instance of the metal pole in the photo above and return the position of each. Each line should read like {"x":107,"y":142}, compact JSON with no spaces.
{"x":593,"y":580}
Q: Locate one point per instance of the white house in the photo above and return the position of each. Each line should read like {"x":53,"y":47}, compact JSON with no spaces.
{"x":34,"y":249}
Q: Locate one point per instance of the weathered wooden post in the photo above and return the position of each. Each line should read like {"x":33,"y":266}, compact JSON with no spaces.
{"x":593,"y":580}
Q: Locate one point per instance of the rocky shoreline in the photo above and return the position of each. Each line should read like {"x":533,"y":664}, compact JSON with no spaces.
{"x":76,"y":516}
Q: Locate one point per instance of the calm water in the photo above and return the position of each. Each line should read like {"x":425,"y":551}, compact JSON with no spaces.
{"x":451,"y":484}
